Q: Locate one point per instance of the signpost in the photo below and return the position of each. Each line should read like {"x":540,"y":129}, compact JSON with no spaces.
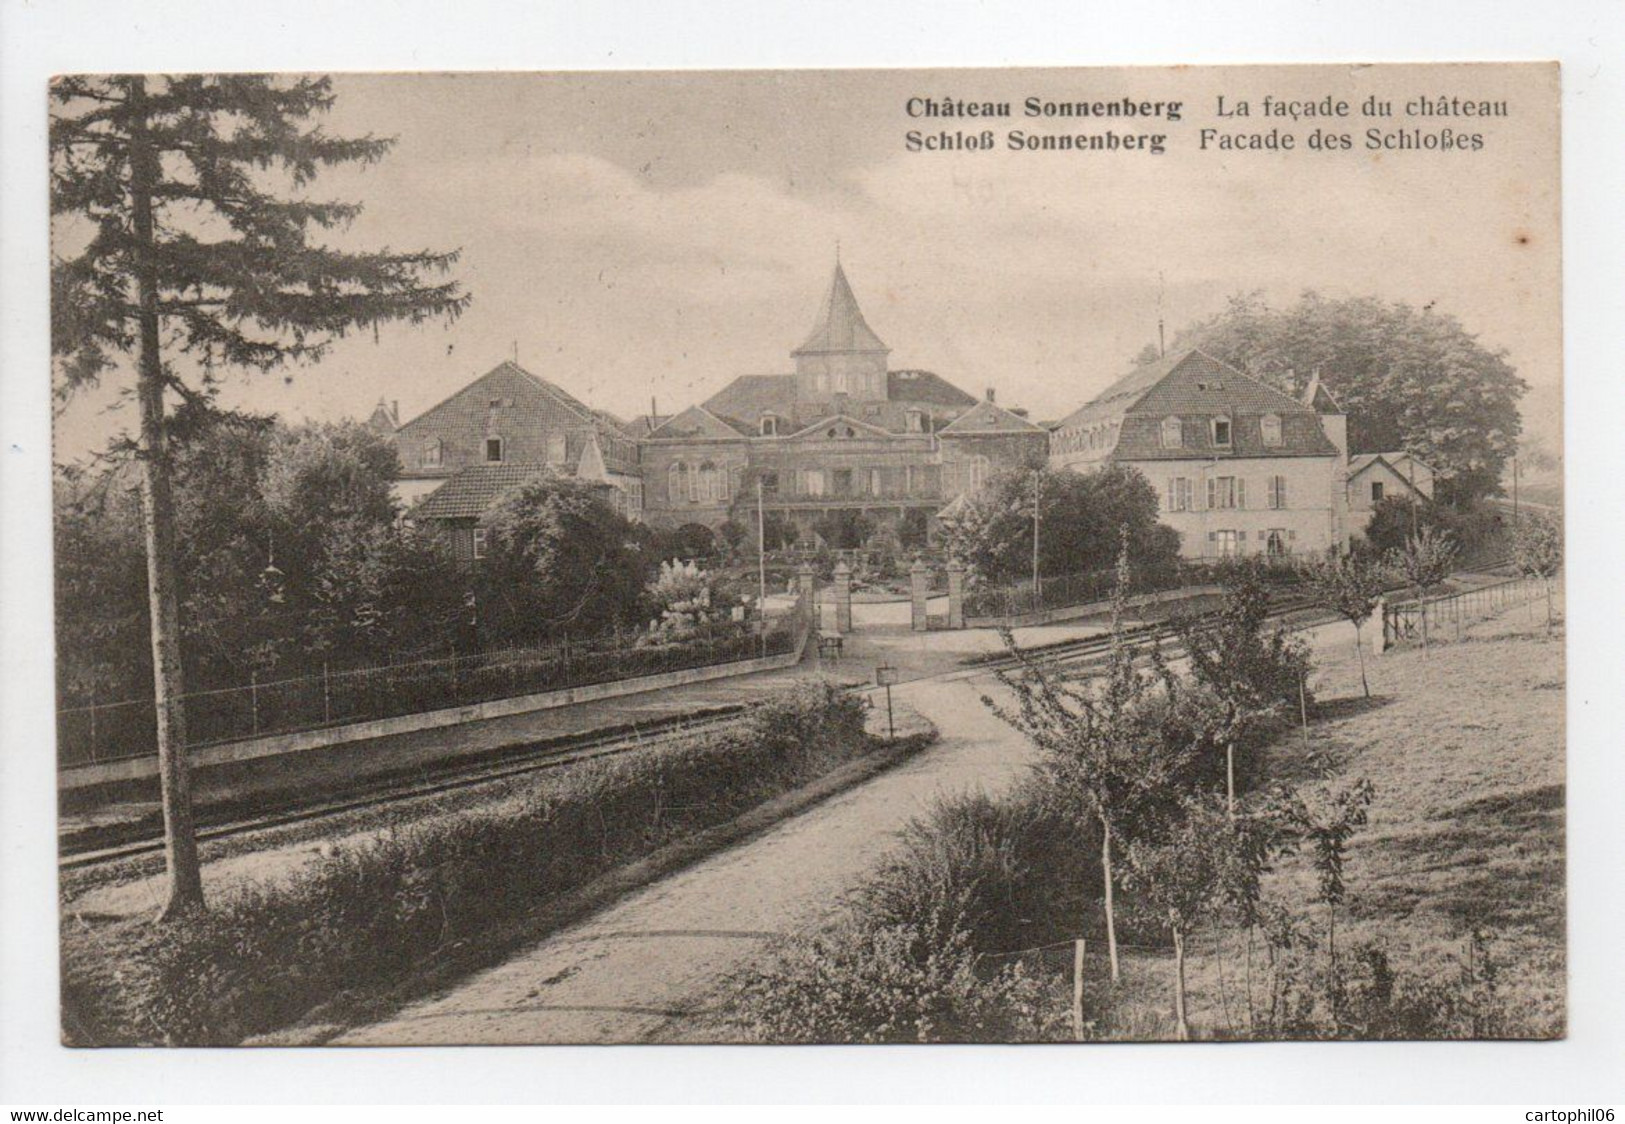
{"x":885,"y":676}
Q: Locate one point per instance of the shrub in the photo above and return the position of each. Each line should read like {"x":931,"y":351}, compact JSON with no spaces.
{"x":1011,"y":872}
{"x":863,"y":983}
{"x":375,"y":911}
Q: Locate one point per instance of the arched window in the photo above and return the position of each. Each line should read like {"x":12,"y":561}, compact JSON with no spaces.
{"x":1221,"y":432}
{"x":1271,"y":425}
{"x":770,"y":425}
{"x":979,"y":466}
{"x":677,"y":481}
{"x":431,"y":454}
{"x":1173,"y":433}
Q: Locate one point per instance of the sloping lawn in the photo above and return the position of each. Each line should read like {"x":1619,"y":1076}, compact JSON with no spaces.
{"x":1465,"y":745}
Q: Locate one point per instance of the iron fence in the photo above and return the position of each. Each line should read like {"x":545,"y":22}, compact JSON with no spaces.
{"x":93,"y":731}
{"x":1064,"y":591}
{"x":1419,"y":618}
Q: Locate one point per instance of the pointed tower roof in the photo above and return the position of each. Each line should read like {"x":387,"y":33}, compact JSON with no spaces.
{"x":1318,"y":398}
{"x":841,"y":326}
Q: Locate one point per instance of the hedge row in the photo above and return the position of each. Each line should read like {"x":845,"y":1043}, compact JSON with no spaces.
{"x":372,"y":913}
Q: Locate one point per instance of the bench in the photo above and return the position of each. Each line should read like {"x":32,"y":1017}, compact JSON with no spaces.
{"x":829,"y":646}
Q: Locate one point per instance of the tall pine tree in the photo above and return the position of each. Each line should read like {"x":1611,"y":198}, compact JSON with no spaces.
{"x":195,"y":252}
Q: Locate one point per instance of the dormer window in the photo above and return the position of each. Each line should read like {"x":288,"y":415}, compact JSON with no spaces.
{"x":557,"y":448}
{"x":1271,"y":426}
{"x":770,"y":425}
{"x":915,"y":421}
{"x":1173,"y":433}
{"x":431,"y":454}
{"x":493,"y":450}
{"x":1221,"y":433}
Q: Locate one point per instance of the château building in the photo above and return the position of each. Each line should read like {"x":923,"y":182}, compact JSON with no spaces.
{"x":840,"y":446}
{"x":1241,"y":467}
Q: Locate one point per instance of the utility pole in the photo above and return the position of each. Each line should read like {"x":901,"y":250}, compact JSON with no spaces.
{"x":1514,"y":491}
{"x":761,"y":564}
{"x":1038,"y":596}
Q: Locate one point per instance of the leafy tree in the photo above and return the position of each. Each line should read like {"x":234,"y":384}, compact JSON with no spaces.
{"x":558,"y":559}
{"x":1203,"y":859}
{"x":1327,"y":825}
{"x":1427,"y":560}
{"x":844,"y":528}
{"x":178,"y":252}
{"x":1251,"y":672}
{"x":288,"y":556}
{"x":913,"y":529}
{"x":1082,"y":520}
{"x":1410,"y":379}
{"x":1350,"y":585}
{"x":1100,"y":747}
{"x":1537,"y":551}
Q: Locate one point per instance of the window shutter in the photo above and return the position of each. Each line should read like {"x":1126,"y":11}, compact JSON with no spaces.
{"x":1241,"y":536}
{"x":1280,"y":491}
{"x":1212,"y":492}
{"x":1213,"y":536}
{"x":1241,"y":492}
{"x":1173,"y":497}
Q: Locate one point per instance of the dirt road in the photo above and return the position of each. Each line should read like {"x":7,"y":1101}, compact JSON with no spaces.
{"x":630,"y":973}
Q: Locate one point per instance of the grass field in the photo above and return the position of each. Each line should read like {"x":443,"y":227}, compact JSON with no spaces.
{"x":1465,"y":745}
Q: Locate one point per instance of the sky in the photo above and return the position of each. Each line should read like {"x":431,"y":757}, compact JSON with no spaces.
{"x":638,"y":236}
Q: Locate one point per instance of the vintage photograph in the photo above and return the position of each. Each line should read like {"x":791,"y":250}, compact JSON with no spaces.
{"x":846,"y":556}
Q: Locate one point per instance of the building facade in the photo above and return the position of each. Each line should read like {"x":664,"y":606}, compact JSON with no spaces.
{"x":1374,"y":477}
{"x":1241,"y":467}
{"x":841,"y":445}
{"x":841,"y":440}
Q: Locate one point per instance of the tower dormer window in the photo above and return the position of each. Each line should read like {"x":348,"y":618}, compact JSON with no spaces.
{"x":493,"y":450}
{"x":1221,"y":433}
{"x":770,"y":425}
{"x":1271,"y":426}
{"x":432,"y":453}
{"x":1173,"y":433}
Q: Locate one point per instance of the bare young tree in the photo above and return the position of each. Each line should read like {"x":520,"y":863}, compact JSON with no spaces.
{"x":1427,"y":559}
{"x":1099,"y":748}
{"x":1537,"y":551}
{"x":183,"y":199}
{"x":1350,"y":585}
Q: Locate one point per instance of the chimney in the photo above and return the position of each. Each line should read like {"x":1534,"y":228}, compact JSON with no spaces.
{"x":990,"y":394}
{"x":395,"y":411}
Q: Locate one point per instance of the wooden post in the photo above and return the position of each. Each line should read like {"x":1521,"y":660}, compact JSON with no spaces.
{"x":254,"y":699}
{"x":327,"y":695}
{"x":1303,"y":710}
{"x":93,"y":724}
{"x":1077,"y":990}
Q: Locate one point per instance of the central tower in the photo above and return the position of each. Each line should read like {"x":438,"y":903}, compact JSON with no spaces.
{"x":842,"y":355}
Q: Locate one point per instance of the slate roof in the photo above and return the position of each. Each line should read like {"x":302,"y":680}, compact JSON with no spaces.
{"x":472,"y":490}
{"x":989,"y":417}
{"x":698,"y":423}
{"x":841,"y":326}
{"x":520,"y":407}
{"x":925,"y":387}
{"x":1196,"y":387}
{"x":748,"y":397}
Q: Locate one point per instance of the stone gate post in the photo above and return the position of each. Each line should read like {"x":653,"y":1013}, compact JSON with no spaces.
{"x":843,"y":597}
{"x":806,"y":587}
{"x":956,"y":594}
{"x":919,"y":585}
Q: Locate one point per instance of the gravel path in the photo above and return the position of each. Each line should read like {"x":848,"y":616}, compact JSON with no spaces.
{"x":629,"y":973}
